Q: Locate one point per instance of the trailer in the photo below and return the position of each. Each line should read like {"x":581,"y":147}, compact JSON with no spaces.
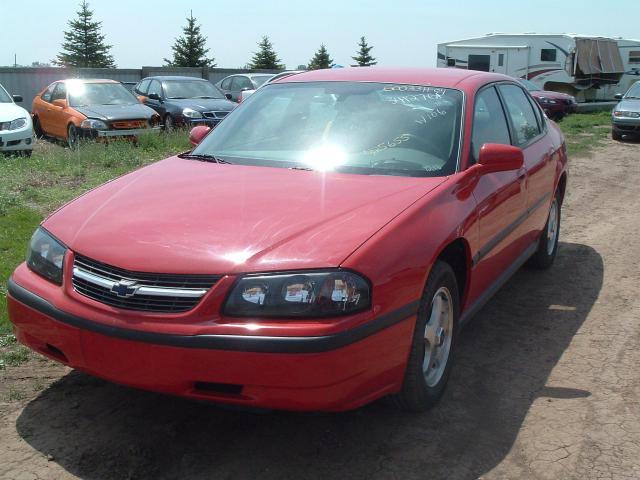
{"x":588,"y":67}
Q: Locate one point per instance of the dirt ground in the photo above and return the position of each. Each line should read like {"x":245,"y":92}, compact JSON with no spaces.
{"x":546,"y":386}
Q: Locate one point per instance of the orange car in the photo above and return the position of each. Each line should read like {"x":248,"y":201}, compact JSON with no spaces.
{"x":82,"y":108}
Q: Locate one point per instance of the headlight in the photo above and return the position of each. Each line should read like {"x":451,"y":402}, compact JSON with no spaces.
{"x":17,"y":123}
{"x":622,"y":113}
{"x":45,"y":256}
{"x":94,"y":124}
{"x":547,"y":100}
{"x":296,"y":295}
{"x":191,"y":113}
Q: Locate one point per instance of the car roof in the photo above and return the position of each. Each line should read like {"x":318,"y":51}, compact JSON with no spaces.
{"x":90,"y":80}
{"x":174,"y":77}
{"x":441,"y":77}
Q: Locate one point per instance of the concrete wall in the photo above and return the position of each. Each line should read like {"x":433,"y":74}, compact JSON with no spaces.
{"x":28,"y":82}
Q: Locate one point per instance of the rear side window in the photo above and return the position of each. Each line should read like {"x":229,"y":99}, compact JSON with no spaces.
{"x":226,"y":84}
{"x":489,"y":122}
{"x":143,"y":86}
{"x":60,"y":93}
{"x":46,"y":96}
{"x":241,"y":82}
{"x":523,"y":119}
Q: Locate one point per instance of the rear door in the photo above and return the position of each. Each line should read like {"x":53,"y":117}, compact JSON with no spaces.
{"x":529,"y":132}
{"x":501,"y":197}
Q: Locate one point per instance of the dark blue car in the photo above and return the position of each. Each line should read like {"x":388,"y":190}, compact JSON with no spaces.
{"x":183,"y":100}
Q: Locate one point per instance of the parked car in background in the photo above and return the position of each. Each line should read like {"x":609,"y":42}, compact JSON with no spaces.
{"x":233,"y":85}
{"x":244,"y":94}
{"x":183,"y":100}
{"x":626,"y":114}
{"x":90,"y":108}
{"x":129,"y":85}
{"x":16,"y":129}
{"x":304,"y":261}
{"x":556,"y":105}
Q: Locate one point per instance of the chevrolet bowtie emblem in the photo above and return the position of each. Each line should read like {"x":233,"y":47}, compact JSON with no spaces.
{"x":124,"y":288}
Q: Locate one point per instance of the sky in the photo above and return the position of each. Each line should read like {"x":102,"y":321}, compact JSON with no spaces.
{"x":402,"y":32}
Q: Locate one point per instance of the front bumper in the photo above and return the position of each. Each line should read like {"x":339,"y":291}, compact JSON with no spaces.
{"x":626,"y":126}
{"x":13,"y":140}
{"x":326,"y":373}
{"x":128,"y":133}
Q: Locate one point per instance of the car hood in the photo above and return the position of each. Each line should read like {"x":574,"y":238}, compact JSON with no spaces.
{"x":11,"y":111}
{"x":629,"y":105}
{"x":116,"y":112}
{"x":186,"y":216}
{"x":204,"y":104}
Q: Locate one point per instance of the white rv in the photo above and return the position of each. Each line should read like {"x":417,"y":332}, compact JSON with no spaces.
{"x":588,"y":67}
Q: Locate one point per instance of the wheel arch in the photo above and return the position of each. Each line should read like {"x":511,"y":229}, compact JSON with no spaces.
{"x":562,"y":186}
{"x":457,"y":254}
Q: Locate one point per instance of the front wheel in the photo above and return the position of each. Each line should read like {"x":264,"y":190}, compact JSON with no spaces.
{"x":73,"y":136}
{"x":615,"y":135}
{"x":434,"y":340}
{"x":169,"y":124}
{"x":37,"y":128}
{"x":548,"y":243}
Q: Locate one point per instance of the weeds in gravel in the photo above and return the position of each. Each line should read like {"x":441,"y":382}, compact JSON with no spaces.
{"x":584,"y":131}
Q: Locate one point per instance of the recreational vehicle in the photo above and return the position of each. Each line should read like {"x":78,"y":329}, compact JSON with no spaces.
{"x":587,"y":67}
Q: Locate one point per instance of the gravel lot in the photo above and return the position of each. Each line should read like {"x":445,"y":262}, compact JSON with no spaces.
{"x":546,"y":385}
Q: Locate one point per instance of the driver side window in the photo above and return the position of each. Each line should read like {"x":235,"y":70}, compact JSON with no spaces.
{"x":489,"y":122}
{"x":46,"y":96}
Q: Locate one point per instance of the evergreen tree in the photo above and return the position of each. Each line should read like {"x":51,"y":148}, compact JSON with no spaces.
{"x":84,"y":43}
{"x":364,"y":58}
{"x":265,"y":58}
{"x":189,"y":50}
{"x":321,"y":59}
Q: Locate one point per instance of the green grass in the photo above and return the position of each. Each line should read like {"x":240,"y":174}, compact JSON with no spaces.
{"x":584,"y":131}
{"x":31,"y":188}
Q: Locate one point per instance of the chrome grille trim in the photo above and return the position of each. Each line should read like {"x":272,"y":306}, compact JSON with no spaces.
{"x":150,"y":292}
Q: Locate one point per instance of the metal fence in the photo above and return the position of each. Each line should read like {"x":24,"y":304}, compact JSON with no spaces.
{"x":28,"y":82}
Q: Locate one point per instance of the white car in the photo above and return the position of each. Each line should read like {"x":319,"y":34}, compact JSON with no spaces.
{"x":244,"y":94}
{"x":16,"y":128}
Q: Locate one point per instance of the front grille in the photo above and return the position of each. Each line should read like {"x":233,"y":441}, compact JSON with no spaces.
{"x":172,"y":293}
{"x":215,"y":114}
{"x":128,"y":124}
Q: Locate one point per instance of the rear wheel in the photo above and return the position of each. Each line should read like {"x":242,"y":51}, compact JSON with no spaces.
{"x":548,"y":243}
{"x":73,"y":136}
{"x":434,"y":340}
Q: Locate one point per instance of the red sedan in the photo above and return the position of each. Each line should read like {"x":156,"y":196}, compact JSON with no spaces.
{"x":319,"y":249}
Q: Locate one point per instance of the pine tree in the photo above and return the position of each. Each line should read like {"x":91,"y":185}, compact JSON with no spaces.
{"x":321,"y":59}
{"x":84,"y":44}
{"x":364,"y":57}
{"x":265,"y":58}
{"x":189,"y":50}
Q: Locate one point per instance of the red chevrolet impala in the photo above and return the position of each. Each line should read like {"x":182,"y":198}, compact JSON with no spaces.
{"x":319,"y":249}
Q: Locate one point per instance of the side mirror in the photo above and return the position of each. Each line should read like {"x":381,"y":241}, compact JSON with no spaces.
{"x":198,"y":133}
{"x":60,"y":102}
{"x":154,"y":96}
{"x":17,"y":98}
{"x":618,"y":96}
{"x":228,"y":95}
{"x":496,"y":157}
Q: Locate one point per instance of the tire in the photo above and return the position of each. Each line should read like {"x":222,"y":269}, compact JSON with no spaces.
{"x":73,"y":138}
{"x":169,"y":124}
{"x":548,"y":242}
{"x":434,"y":338}
{"x":26,"y":153}
{"x":615,"y":135}
{"x":37,"y":128}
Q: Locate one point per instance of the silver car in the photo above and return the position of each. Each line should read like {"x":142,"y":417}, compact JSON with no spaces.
{"x":626,"y":114}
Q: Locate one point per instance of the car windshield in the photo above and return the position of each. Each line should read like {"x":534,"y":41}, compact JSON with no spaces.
{"x":4,"y":96}
{"x":190,"y":89}
{"x":362,"y":128}
{"x":634,"y":91}
{"x":529,"y":85}
{"x":81,"y":94}
{"x":258,"y":80}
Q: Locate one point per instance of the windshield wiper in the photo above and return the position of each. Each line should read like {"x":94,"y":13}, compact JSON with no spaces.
{"x":205,"y":96}
{"x":205,"y":157}
{"x":176,"y":98}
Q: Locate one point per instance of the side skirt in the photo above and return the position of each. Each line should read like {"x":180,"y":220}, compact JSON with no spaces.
{"x":475,"y":307}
